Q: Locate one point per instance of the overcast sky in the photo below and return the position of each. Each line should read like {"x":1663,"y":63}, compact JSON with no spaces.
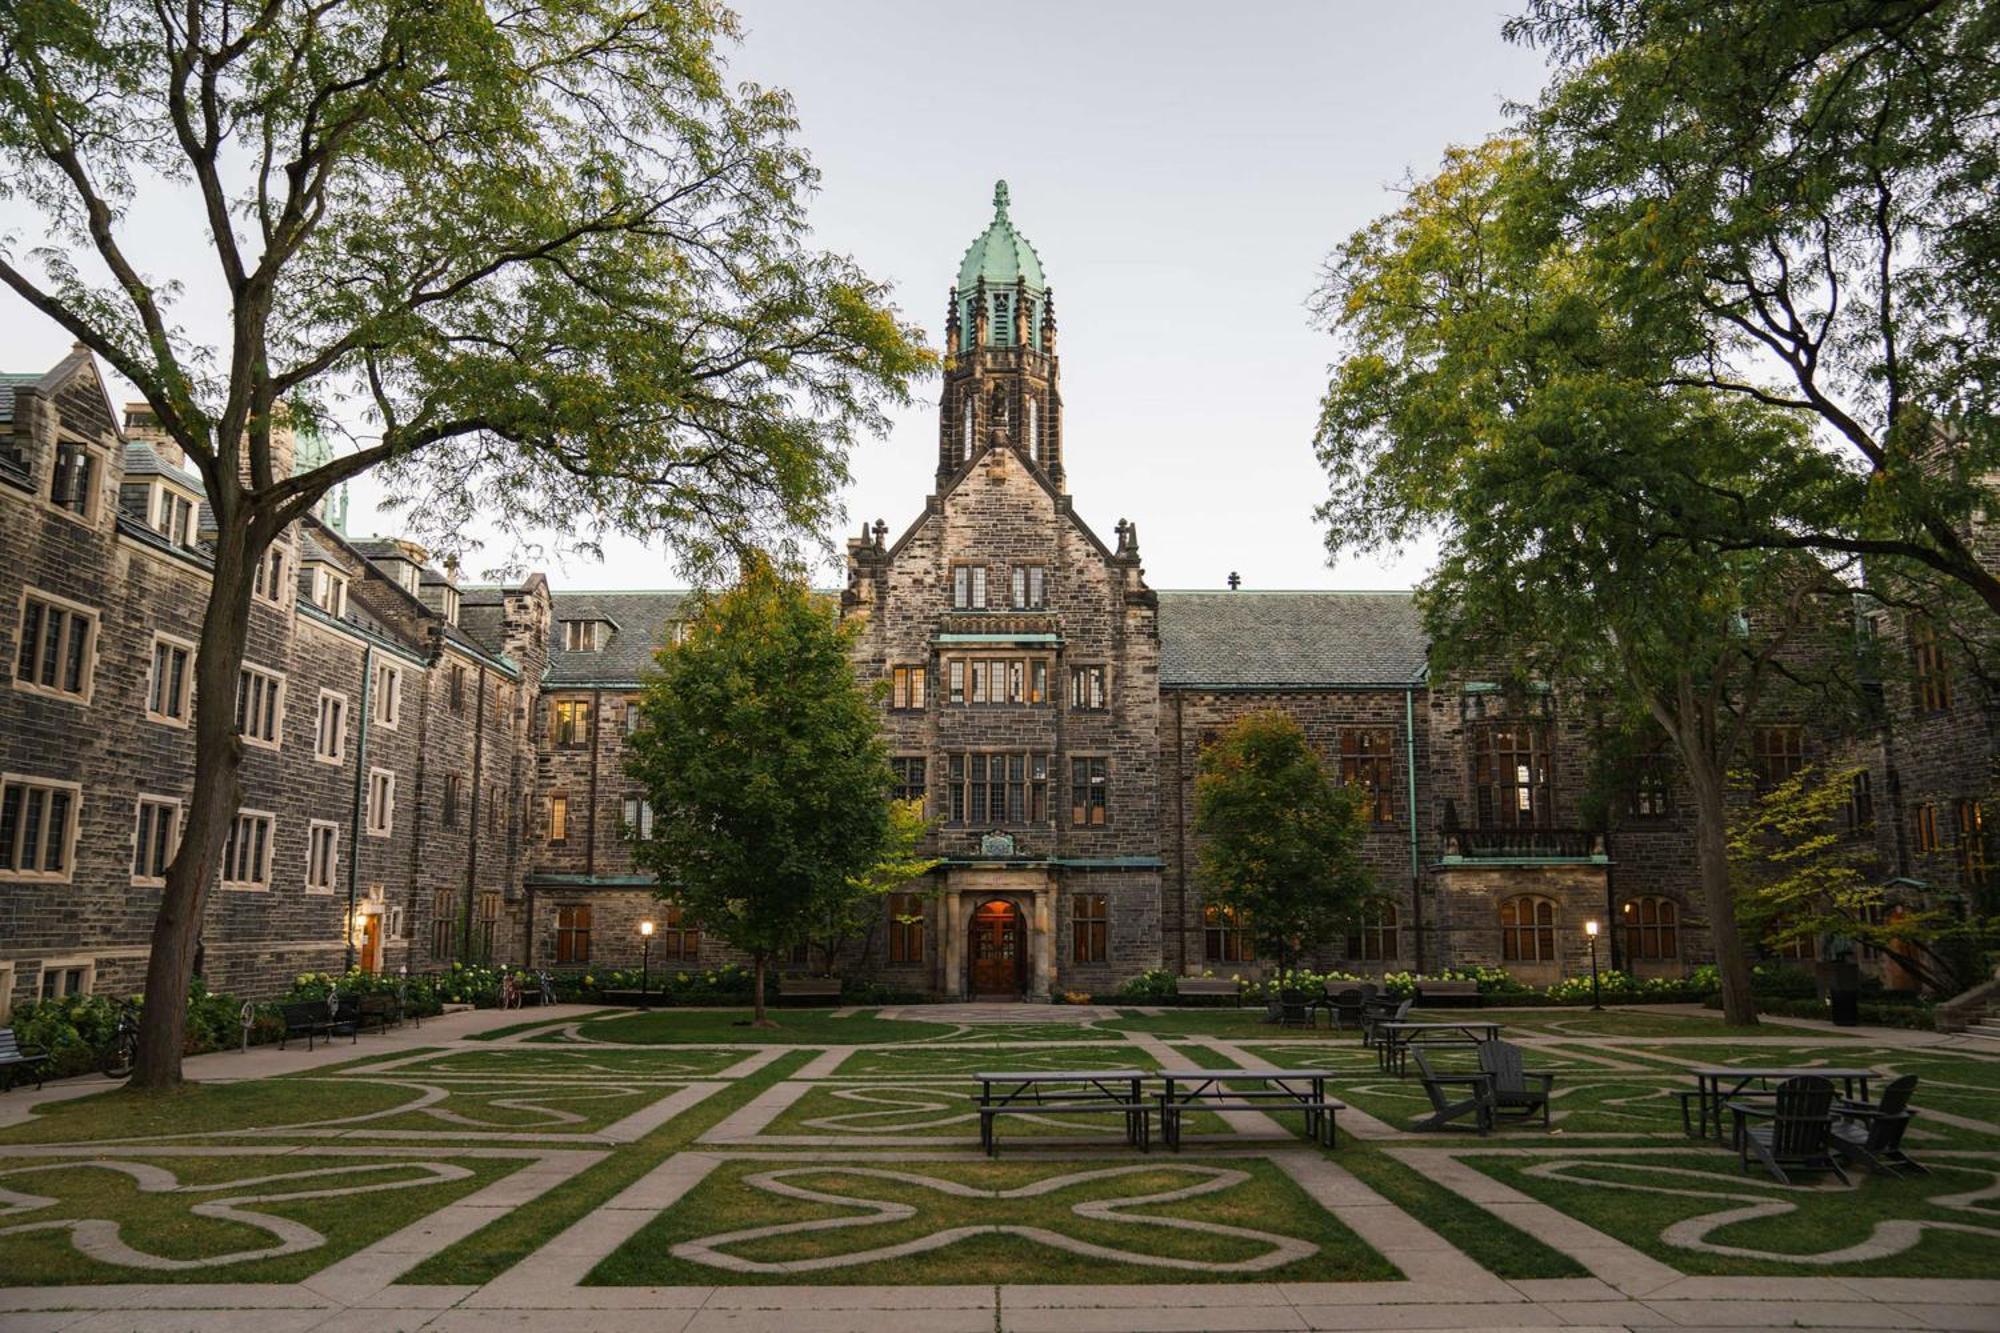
{"x":1181,"y":168}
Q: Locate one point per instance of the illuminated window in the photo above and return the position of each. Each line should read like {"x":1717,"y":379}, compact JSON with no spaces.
{"x":1528,"y":930}
{"x":1366,"y":763}
{"x":1226,"y":935}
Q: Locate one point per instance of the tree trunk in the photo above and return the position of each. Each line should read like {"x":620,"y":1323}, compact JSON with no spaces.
{"x":1711,"y":836}
{"x":757,"y":1018}
{"x":218,"y":761}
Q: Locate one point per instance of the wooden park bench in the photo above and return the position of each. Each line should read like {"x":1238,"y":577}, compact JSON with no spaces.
{"x":1208,"y":988}
{"x":380,"y":1008}
{"x":1432,"y":994}
{"x":13,"y":1056}
{"x":809,"y":988}
{"x":312,"y":1018}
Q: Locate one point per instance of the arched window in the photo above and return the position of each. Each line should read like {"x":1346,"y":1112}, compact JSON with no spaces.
{"x":1374,"y":940}
{"x":966,"y":456}
{"x":1528,"y":930}
{"x":1034,"y":433}
{"x":1652,"y":929}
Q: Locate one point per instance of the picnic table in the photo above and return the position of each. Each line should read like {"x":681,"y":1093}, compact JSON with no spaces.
{"x":1068,"y":1092}
{"x":1283,"y":1090}
{"x":1724,"y":1083}
{"x":1393,"y":1040}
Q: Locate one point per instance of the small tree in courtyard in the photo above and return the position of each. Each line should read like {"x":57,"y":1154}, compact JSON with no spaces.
{"x":545,"y":261}
{"x":1280,"y":843}
{"x":852,"y":909}
{"x":765,"y":763}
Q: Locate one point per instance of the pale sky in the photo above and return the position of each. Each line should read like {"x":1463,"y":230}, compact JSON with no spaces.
{"x":1181,"y":168}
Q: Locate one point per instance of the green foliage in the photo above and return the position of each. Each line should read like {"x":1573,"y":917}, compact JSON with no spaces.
{"x":853,"y":908}
{"x":1279,"y":842}
{"x":765,"y":763}
{"x":422,"y":994}
{"x":1151,"y":987}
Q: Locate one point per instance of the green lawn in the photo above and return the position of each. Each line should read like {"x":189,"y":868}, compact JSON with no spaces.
{"x":162,"y":1223}
{"x":203,"y":1108}
{"x":1639,"y":1198}
{"x":1266,"y":1202}
{"x":964,"y":1058}
{"x":576,"y":1061}
{"x":1501,"y":1249}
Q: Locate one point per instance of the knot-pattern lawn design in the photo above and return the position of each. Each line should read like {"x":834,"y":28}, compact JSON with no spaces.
{"x":1275,"y":1252}
{"x":245,"y":1204}
{"x":906,"y":1110}
{"x":1745,"y":1200}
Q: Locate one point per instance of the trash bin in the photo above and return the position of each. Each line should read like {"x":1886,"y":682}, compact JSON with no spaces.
{"x":1840,"y":983}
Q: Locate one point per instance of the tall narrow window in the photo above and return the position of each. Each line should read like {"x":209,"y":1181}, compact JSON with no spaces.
{"x":1971,"y":837}
{"x":906,"y":928}
{"x":909,"y":770}
{"x":558,"y":818}
{"x":1366,"y":763}
{"x":486,"y":922}
{"x":1860,"y":801}
{"x":968,"y":587}
{"x":330,"y":730}
{"x":388,"y":694}
{"x":1933,"y":675}
{"x":322,"y":856}
{"x":1087,"y":688}
{"x":1087,"y":783}
{"x":58,"y":642}
{"x":965,"y":453}
{"x":456,"y":691}
{"x":573,"y":933}
{"x":1034,"y":433}
{"x":444,"y":923}
{"x":246,"y":854}
{"x":272,"y":584}
{"x":168,"y":686}
{"x":1652,"y":929}
{"x":569,"y":722}
{"x":38,"y":819}
{"x":679,"y":938}
{"x":1924,"y":825}
{"x":451,"y":800}
{"x":637,"y":825}
{"x":259,"y":699}
{"x":155,"y":839}
{"x":1088,"y":926}
{"x":381,"y":802}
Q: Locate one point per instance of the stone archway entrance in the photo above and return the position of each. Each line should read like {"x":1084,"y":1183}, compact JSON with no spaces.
{"x":996,"y":951}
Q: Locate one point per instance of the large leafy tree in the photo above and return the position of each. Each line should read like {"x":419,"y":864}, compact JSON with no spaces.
{"x":765,"y":762}
{"x":1798,"y":200}
{"x":852,"y":908}
{"x":1280,"y":843}
{"x":540,"y":262}
{"x":1489,"y":395}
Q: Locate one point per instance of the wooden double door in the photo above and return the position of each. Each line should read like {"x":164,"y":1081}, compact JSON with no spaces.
{"x":999,"y":951}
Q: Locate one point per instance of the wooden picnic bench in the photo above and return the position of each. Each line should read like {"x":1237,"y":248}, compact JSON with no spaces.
{"x":13,"y":1056}
{"x":380,"y":1008}
{"x":1393,"y":1039}
{"x":1208,"y":988}
{"x":1063,"y":1092}
{"x":1284,"y":1090}
{"x":1721,"y":1084}
{"x":313,"y":1018}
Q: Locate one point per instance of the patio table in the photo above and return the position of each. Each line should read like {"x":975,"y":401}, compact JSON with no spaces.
{"x":1720,"y":1083}
{"x":1084,"y":1090}
{"x":1394,"y":1039}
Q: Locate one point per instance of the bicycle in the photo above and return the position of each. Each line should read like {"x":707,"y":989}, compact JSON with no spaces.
{"x":122,"y":1055}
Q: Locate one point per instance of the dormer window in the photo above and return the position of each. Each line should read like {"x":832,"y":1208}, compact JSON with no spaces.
{"x":73,"y":486}
{"x":406,"y":576}
{"x":329,"y":590}
{"x":451,"y":606}
{"x":173,"y":515}
{"x":580,"y":636}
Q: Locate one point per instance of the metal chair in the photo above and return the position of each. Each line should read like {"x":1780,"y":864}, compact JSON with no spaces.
{"x":1800,"y":1132}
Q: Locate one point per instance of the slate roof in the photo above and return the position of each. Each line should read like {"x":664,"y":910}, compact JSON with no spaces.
{"x":625,"y":656}
{"x":141,"y":460}
{"x":8,"y":382}
{"x":1245,"y":639}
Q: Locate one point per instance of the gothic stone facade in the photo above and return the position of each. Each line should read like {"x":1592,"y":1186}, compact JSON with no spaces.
{"x":434,"y":771}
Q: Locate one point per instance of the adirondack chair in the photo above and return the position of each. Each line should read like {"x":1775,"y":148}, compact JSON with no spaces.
{"x":1800,"y":1132}
{"x":1478,"y":1103}
{"x":1344,"y":1005}
{"x":1379,"y":1012}
{"x":1516,"y":1090}
{"x":1872,"y":1133}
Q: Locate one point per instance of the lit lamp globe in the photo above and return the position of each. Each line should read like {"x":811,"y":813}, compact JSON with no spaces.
{"x":645,"y":959}
{"x":1596,"y":996}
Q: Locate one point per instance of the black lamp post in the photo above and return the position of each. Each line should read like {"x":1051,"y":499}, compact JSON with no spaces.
{"x":1596,"y":995}
{"x":645,"y":960}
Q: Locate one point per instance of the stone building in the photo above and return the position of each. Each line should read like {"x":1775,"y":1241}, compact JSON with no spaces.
{"x":435,"y":772}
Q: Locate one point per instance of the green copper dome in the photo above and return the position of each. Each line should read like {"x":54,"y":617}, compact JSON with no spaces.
{"x":1002,"y":257}
{"x":1001,"y":254}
